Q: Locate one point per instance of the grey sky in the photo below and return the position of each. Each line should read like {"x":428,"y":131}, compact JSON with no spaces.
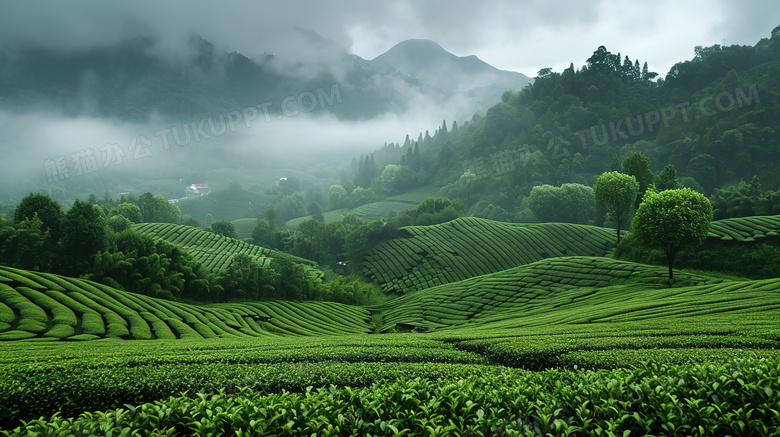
{"x":512,"y":35}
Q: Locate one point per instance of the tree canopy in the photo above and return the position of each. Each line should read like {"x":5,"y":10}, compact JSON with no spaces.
{"x":672,"y":220}
{"x":616,"y":192}
{"x":569,"y":203}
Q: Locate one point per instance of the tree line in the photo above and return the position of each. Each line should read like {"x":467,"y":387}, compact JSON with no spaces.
{"x":96,"y":240}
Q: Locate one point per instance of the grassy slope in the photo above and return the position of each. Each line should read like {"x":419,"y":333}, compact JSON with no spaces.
{"x":745,"y":229}
{"x":468,"y":247}
{"x":40,"y":305}
{"x":570,"y":293}
{"x":583,"y":292}
{"x":214,"y":251}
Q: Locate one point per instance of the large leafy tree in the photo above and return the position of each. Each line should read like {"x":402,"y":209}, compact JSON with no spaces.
{"x":130,"y":211}
{"x":336,"y":196}
{"x":46,"y":209}
{"x":315,"y":211}
{"x":672,"y":220}
{"x":84,"y":234}
{"x":224,"y":228}
{"x":155,"y":209}
{"x":616,"y":192}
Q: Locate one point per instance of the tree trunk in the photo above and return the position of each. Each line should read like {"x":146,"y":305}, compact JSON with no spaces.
{"x":670,"y":260}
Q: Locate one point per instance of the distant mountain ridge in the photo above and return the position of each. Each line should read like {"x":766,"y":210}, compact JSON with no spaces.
{"x":427,"y":61}
{"x":129,"y":81}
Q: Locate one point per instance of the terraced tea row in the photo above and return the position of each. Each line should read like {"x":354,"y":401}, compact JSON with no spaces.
{"x":466,"y":247}
{"x":535,"y":289}
{"x":214,"y":252}
{"x":47,"y":306}
{"x":745,"y":229}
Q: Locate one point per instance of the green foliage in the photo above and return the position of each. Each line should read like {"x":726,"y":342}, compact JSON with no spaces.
{"x":742,"y":200}
{"x":155,"y":209}
{"x":638,"y":166}
{"x":672,"y":220}
{"x":653,"y":399}
{"x":140,"y":264}
{"x":262,"y":234}
{"x":746,"y":246}
{"x":315,"y":211}
{"x":83,"y":234}
{"x":616,"y":192}
{"x":289,"y":207}
{"x":569,"y":203}
{"x":397,"y":179}
{"x":118,"y":223}
{"x":47,"y":210}
{"x":336,"y":196}
{"x":359,"y":196}
{"x":666,"y":179}
{"x":130,"y":211}
{"x":27,"y":245}
{"x":223,"y":228}
{"x":431,"y":211}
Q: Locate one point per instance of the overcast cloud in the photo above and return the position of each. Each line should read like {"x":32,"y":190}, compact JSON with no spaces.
{"x":522,"y":36}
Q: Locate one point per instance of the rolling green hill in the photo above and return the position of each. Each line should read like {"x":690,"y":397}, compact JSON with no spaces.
{"x":562,"y":316}
{"x":745,"y":229}
{"x":376,"y":210}
{"x":215,"y":252}
{"x":544,"y":289}
{"x":468,"y":247}
{"x":47,"y":306}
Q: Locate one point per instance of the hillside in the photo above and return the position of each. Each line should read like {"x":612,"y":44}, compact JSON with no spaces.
{"x":573,"y":125}
{"x":215,"y":252}
{"x":547,"y":292}
{"x":47,"y":306}
{"x":466,"y":247}
{"x":745,"y":229}
{"x":559,"y":316}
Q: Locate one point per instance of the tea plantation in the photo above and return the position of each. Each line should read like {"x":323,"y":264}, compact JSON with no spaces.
{"x":468,"y":247}
{"x":561,"y":346}
{"x":215,"y":252}
{"x":550,"y":343}
{"x":745,"y":228}
{"x":46,"y":306}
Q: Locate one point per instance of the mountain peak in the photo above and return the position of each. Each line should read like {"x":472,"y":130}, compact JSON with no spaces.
{"x":427,"y":61}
